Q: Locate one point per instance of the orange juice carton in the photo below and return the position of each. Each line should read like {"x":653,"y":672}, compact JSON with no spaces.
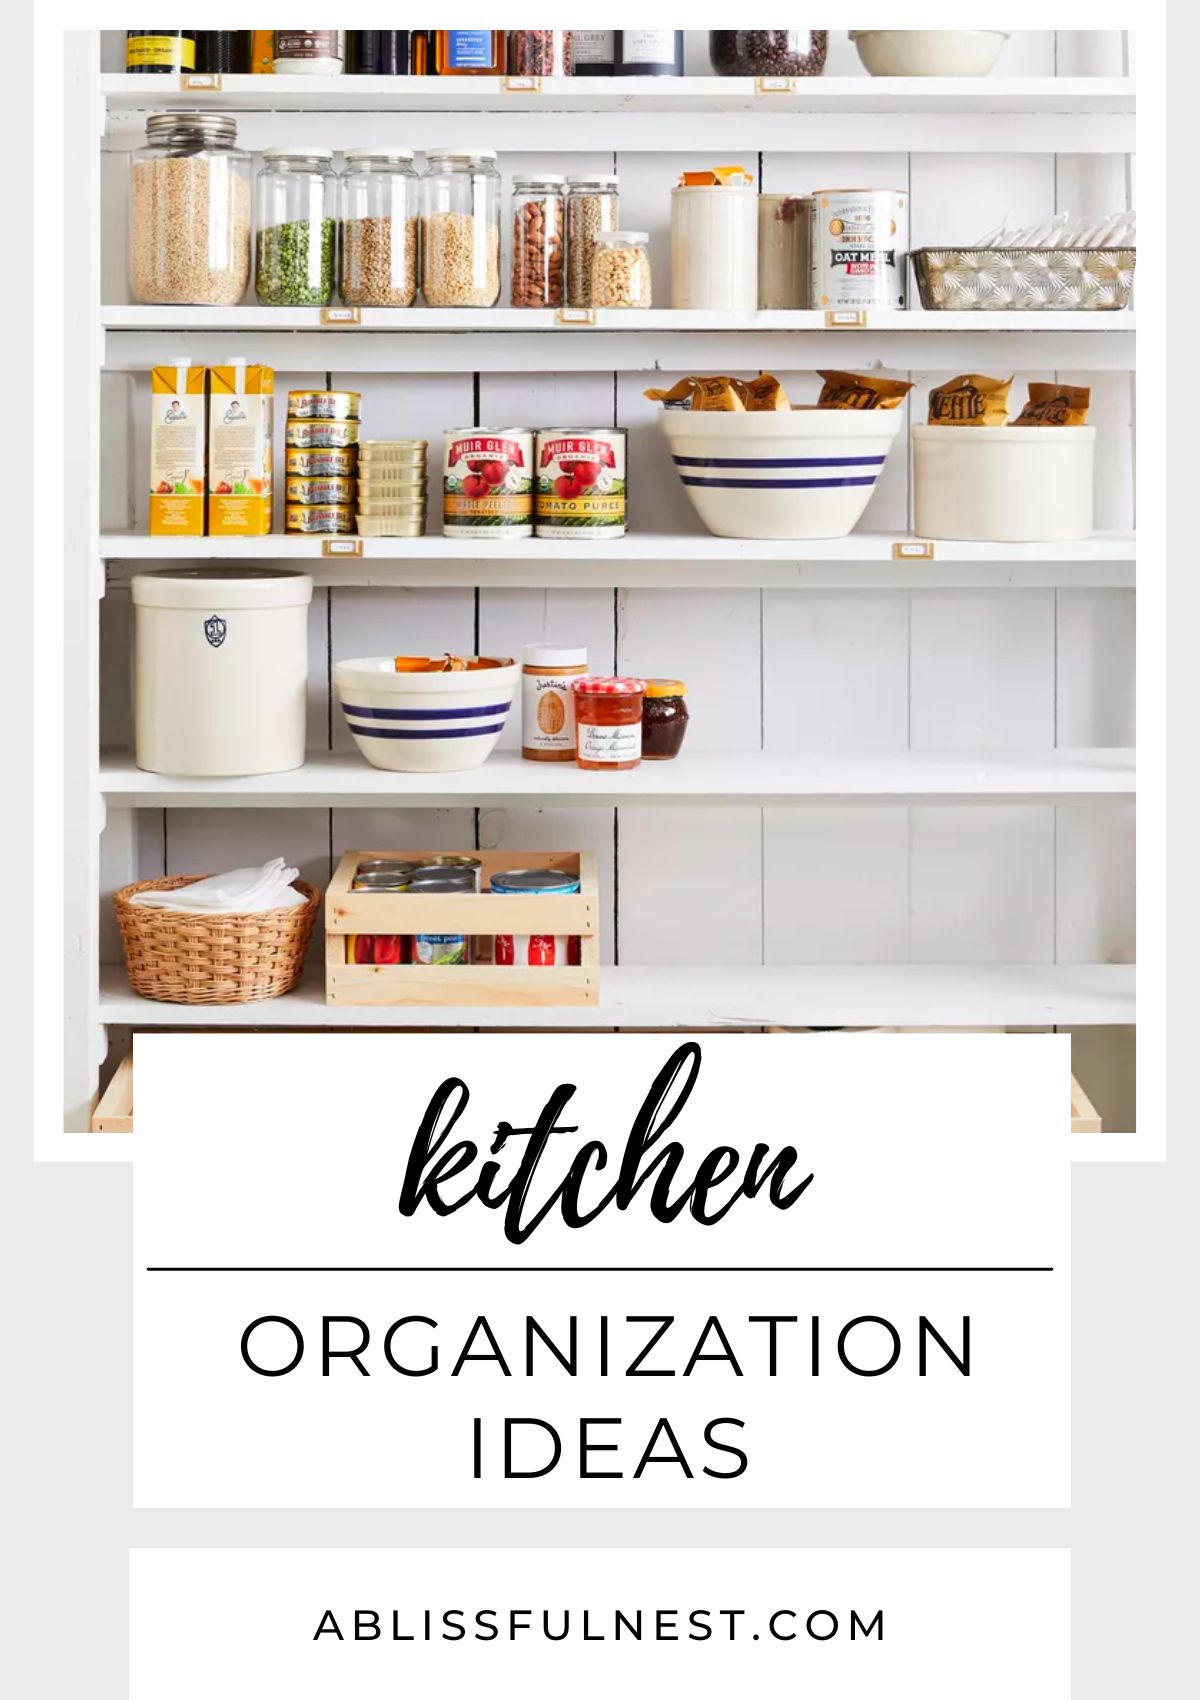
{"x":241,"y":417}
{"x":177,"y":450}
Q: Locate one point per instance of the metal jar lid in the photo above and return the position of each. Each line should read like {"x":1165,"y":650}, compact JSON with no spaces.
{"x":434,"y":863}
{"x":532,"y":880}
{"x":191,"y":127}
{"x":443,"y":880}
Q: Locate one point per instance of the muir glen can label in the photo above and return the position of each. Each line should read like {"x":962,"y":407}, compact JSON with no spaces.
{"x":487,"y":484}
{"x":580,"y":489}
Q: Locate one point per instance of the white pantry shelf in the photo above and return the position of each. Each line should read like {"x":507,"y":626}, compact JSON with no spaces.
{"x":863,"y":561}
{"x":841,"y":995}
{"x":747,"y":778}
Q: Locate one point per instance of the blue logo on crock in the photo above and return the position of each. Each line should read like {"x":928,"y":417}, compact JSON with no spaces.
{"x":214,"y":630}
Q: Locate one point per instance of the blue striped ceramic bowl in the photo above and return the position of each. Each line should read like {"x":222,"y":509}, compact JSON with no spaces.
{"x":425,"y":722}
{"x":807,"y":473}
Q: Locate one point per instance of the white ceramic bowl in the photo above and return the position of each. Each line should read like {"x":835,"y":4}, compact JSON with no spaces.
{"x":929,"y":53}
{"x":424,"y":722}
{"x":807,"y":473}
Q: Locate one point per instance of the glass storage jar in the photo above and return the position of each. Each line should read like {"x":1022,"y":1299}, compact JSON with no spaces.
{"x":783,"y":250}
{"x":460,"y":229}
{"x":540,"y":53}
{"x":377,"y":252}
{"x":768,"y":53}
{"x":469,"y":53}
{"x":295,"y":204}
{"x":592,"y":207}
{"x":621,"y":269}
{"x":664,"y":719}
{"x":608,"y":722}
{"x":537,"y":241}
{"x":189,"y":212}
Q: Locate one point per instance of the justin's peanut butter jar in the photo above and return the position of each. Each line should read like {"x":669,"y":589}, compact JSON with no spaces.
{"x":547,"y":703}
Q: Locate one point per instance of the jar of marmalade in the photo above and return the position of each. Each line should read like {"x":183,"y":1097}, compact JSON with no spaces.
{"x":664,"y":719}
{"x":608,"y":722}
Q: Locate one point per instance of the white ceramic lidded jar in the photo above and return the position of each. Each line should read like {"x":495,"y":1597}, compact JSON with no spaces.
{"x":221,"y":671}
{"x":714,"y":246}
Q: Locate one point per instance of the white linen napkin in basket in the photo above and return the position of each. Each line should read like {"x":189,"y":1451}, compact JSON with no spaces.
{"x":241,"y":891}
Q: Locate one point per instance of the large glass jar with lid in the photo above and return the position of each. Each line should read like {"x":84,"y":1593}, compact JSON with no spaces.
{"x":768,"y":53}
{"x":592,"y":208}
{"x":378,"y":250}
{"x":295,"y":214}
{"x":460,"y":228}
{"x":189,"y":212}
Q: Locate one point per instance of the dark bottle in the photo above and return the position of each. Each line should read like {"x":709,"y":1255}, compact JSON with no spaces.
{"x":378,"y":53}
{"x":160,"y":51}
{"x":649,"y":53}
{"x":593,"y":52}
{"x":225,"y":53}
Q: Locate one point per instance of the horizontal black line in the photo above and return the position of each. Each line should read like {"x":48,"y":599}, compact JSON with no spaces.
{"x":598,"y":1269}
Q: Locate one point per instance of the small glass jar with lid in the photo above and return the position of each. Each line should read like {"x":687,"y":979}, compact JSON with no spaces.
{"x":592,"y":208}
{"x":460,"y":228}
{"x":541,"y":53}
{"x":377,"y":262}
{"x":664,"y":719}
{"x":189,"y":212}
{"x":538,"y":241}
{"x":295,"y":214}
{"x":608,"y":722}
{"x":621,"y":269}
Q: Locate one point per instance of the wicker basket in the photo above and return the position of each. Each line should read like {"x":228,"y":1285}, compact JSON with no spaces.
{"x":177,"y":957}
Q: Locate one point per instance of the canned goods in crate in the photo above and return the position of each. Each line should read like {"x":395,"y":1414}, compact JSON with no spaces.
{"x":314,"y":492}
{"x":444,"y":875}
{"x":321,"y":433}
{"x":488,"y":484}
{"x":326,"y":518}
{"x":536,"y":950}
{"x":323,"y":404}
{"x":859,"y":248}
{"x":580,"y":489}
{"x":320,"y":463}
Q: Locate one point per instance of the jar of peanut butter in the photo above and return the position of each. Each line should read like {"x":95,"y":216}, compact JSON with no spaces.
{"x":547,"y":704}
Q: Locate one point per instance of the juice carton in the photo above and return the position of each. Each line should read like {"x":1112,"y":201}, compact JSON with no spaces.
{"x":177,"y":450}
{"x":241,"y":414}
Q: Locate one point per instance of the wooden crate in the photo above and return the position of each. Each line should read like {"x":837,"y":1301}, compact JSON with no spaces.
{"x":478,"y":914}
{"x":114,"y":1110}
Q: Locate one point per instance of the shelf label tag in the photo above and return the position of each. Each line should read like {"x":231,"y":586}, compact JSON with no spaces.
{"x":846,"y":319}
{"x":341,"y":546}
{"x":774,"y":85}
{"x":201,"y":82}
{"x":575,"y":316}
{"x":522,"y":85}
{"x":913,"y":551}
{"x":341,"y":315}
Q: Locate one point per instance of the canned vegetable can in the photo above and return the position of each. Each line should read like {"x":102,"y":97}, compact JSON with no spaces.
{"x":581,"y":485}
{"x":487,"y":483}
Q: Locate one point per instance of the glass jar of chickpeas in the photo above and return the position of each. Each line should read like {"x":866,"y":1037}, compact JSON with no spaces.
{"x":621,"y":269}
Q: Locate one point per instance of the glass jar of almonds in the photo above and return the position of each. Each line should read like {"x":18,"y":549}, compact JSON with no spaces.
{"x":460,"y":229}
{"x":621,"y":269}
{"x":378,"y":248}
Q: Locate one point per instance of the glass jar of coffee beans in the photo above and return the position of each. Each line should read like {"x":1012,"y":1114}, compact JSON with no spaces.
{"x":592,"y":207}
{"x":378,"y":254}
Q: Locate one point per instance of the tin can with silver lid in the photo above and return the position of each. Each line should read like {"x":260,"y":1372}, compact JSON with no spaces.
{"x":859,"y":248}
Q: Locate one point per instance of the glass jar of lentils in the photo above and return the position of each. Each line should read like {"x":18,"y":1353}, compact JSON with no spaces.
{"x":592,"y":207}
{"x":378,"y":259}
{"x":538,"y":246}
{"x":460,"y":229}
{"x":295,"y":211}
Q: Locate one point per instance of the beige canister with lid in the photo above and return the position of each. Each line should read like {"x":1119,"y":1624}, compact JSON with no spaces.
{"x":220,"y":671}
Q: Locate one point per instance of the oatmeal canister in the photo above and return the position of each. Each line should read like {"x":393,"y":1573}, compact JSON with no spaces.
{"x":536,"y":950}
{"x":488,"y":483}
{"x":580,"y":488}
{"x":547,"y":702}
{"x":859,"y":248}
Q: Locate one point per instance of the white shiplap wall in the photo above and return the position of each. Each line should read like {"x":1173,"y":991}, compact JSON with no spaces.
{"x":778,"y":669}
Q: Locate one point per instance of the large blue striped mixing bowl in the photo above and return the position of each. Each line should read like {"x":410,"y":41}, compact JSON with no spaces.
{"x":425,"y":722}
{"x":806,"y":473}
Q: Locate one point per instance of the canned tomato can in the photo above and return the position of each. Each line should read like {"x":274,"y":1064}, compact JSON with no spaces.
{"x":580,"y":488}
{"x":536,"y":950}
{"x":320,"y":463}
{"x":321,"y":433}
{"x":325,"y":518}
{"x":321,"y":492}
{"x":323,"y":404}
{"x":487,"y":484}
{"x":859,"y":248}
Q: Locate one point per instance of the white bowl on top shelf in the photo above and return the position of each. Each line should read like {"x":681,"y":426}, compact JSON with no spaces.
{"x":425,"y":722}
{"x":929,"y":53}
{"x":805,"y":473}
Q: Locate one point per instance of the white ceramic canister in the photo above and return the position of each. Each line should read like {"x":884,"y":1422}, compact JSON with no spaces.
{"x":859,"y":247}
{"x":221,"y":671}
{"x":1004,"y":483}
{"x":714,"y":247}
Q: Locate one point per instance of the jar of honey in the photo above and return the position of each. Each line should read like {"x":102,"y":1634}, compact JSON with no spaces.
{"x":608,"y":722}
{"x":664,"y":719}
